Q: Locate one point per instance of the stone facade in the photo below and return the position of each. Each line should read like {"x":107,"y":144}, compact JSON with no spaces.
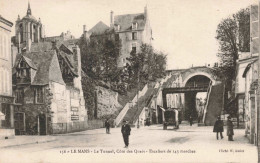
{"x":6,"y":94}
{"x":107,"y":103}
{"x":47,"y":85}
{"x":251,"y":78}
{"x":133,"y":30}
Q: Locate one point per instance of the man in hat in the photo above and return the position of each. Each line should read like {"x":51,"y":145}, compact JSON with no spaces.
{"x":107,"y":125}
{"x":218,"y":127}
{"x":230,"y":131}
{"x":126,"y":129}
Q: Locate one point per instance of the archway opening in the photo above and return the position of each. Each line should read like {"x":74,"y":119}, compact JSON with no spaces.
{"x":195,"y":101}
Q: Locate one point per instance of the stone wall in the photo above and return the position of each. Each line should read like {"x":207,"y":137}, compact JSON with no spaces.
{"x":107,"y":103}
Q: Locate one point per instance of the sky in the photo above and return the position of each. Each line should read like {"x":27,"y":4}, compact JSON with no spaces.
{"x":185,"y":30}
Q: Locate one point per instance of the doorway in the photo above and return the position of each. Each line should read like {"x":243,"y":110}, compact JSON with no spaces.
{"x":42,"y":124}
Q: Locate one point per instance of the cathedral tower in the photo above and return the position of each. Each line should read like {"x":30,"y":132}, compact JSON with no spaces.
{"x":28,"y":30}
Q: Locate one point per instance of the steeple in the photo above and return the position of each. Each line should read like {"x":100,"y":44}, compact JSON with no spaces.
{"x":29,"y":12}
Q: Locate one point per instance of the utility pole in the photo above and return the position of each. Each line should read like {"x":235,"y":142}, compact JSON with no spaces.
{"x":138,"y":81}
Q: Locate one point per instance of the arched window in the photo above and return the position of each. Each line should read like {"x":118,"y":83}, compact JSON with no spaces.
{"x":21,"y":32}
{"x":34,"y":33}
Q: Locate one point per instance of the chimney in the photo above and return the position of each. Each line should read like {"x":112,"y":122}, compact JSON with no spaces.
{"x":145,"y":12}
{"x":84,"y":28}
{"x":111,"y":19}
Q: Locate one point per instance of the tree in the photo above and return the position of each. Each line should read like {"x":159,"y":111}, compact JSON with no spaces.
{"x":146,"y":65}
{"x":99,"y":56}
{"x":233,"y":35}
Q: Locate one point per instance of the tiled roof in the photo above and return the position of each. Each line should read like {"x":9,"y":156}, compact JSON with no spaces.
{"x":46,"y":64}
{"x":99,"y":28}
{"x":29,"y":62}
{"x":125,"y":21}
{"x":64,"y":51}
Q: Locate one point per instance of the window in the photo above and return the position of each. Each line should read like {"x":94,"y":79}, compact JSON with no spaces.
{"x":117,"y":37}
{"x":134,"y":26}
{"x":21,"y":32}
{"x":6,"y":111}
{"x":134,"y":47}
{"x":117,"y":27}
{"x":22,"y":64}
{"x":4,"y":46}
{"x":19,"y":96}
{"x":134,"y":36}
{"x":38,"y":95}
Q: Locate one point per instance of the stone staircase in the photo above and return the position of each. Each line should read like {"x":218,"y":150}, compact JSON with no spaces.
{"x":215,"y":104}
{"x":134,"y":112}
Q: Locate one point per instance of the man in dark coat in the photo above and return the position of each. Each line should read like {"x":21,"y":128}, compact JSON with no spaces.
{"x":126,"y":129}
{"x":218,"y":127}
{"x":191,"y":120}
{"x":230,"y":131}
{"x":107,"y":125}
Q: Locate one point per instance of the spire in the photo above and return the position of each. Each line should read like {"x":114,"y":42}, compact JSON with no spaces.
{"x":29,"y":12}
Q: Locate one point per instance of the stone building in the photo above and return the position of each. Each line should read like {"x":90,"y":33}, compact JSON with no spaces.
{"x":133,"y":30}
{"x":47,"y":87}
{"x":251,"y":75}
{"x":243,"y":61}
{"x":62,"y":37}
{"x":6,"y":94}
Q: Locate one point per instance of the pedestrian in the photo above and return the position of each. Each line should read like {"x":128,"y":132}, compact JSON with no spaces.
{"x":218,"y":127}
{"x":107,"y":125}
{"x":191,"y":120}
{"x":126,"y":129}
{"x":230,"y":131}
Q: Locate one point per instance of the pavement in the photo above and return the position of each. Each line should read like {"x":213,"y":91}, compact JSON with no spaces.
{"x":147,"y":144}
{"x":22,"y":140}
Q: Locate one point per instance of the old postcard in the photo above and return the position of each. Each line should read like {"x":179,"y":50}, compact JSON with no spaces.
{"x":129,"y":81}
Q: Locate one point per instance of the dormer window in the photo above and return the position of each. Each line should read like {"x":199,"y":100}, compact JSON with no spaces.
{"x":117,"y":27}
{"x":134,"y":26}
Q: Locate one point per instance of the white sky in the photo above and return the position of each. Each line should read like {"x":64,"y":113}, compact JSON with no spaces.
{"x":184,"y":29}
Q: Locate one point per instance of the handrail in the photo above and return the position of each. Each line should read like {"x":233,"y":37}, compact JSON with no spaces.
{"x":126,"y":107}
{"x":206,"y":106}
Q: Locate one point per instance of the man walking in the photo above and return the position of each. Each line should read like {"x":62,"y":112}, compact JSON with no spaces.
{"x":107,"y":125}
{"x":126,"y":132}
{"x":218,"y":127}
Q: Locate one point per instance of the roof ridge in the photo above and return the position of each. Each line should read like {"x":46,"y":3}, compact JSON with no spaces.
{"x":130,"y":14}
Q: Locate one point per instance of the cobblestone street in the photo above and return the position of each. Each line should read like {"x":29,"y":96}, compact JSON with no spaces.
{"x":187,"y":144}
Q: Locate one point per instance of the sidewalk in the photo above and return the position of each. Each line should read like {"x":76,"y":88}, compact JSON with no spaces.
{"x":25,"y":140}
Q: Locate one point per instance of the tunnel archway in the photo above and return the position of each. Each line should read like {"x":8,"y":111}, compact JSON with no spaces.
{"x":190,"y":97}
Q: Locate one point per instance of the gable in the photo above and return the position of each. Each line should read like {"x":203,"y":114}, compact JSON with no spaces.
{"x":126,"y":21}
{"x":55,"y":71}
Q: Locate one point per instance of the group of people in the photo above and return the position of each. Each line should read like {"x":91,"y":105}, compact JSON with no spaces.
{"x":219,"y":128}
{"x":125,"y":130}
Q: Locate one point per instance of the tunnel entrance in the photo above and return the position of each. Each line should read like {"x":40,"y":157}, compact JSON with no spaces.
{"x":194,"y":102}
